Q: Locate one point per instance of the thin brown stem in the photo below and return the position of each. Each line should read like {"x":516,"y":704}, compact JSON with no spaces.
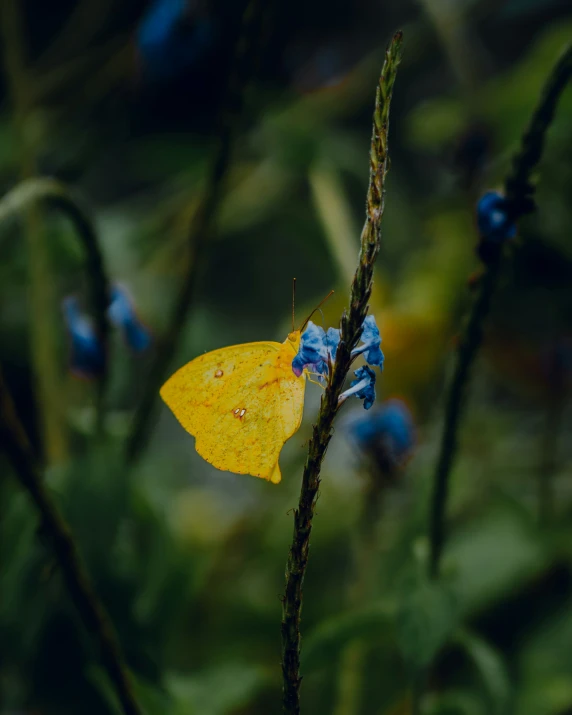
{"x":351,"y":326}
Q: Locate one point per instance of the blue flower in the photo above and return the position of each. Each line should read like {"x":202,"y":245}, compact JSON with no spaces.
{"x":493,"y":220}
{"x":87,"y":356}
{"x":363,"y":387}
{"x":388,"y":432}
{"x":122,"y":314}
{"x":317,"y":350}
{"x":170,"y":40}
{"x":312,"y":353}
{"x":371,"y":340}
{"x":331,"y":342}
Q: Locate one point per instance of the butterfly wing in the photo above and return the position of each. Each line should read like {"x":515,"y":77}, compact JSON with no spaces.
{"x":241,"y":404}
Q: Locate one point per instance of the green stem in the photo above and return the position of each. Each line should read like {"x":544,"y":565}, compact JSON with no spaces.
{"x":518,"y":191}
{"x":35,"y":190}
{"x":353,"y":661}
{"x":351,"y":325}
{"x":42,"y":323}
{"x":92,"y":613}
{"x":202,"y":226}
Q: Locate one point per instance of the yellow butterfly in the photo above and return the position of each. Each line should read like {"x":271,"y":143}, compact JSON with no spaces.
{"x":241,"y":403}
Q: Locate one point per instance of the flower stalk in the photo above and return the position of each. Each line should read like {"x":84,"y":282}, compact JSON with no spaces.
{"x":518,"y":192}
{"x":351,"y":329}
{"x":52,"y":192}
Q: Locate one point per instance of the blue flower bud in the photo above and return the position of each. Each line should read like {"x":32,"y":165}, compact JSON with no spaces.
{"x":388,"y":432}
{"x":363,"y":387}
{"x":87,"y":357}
{"x":331,"y":342}
{"x":371,"y":340}
{"x":493,"y":220}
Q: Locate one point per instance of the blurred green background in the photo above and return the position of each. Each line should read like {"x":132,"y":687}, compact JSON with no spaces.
{"x":119,"y":100}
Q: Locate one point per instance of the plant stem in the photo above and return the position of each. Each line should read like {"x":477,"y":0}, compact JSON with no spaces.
{"x":201,"y":229}
{"x":518,"y":192}
{"x":550,"y":435}
{"x":40,"y":290}
{"x":351,"y":325}
{"x":548,"y":459}
{"x":14,"y":442}
{"x":31,"y":191}
{"x":353,"y":660}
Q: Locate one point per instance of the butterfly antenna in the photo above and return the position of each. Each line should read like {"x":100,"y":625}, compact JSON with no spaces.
{"x":293,"y":303}
{"x":320,"y":304}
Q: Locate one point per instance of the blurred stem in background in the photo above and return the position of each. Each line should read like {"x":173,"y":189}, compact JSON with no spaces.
{"x":41,"y":298}
{"x":518,"y":194}
{"x":550,"y":435}
{"x":354,"y":656}
{"x":351,"y":327}
{"x":462,"y":47}
{"x":91,"y":611}
{"x":24,"y":197}
{"x":335,"y":215}
{"x":202,"y":223}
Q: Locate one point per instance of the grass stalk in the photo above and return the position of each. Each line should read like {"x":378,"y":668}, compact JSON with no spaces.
{"x":40,"y":288}
{"x":52,"y":192}
{"x":519,"y":191}
{"x":351,"y":325}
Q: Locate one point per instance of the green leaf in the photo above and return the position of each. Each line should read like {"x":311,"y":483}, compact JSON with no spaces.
{"x":151,"y":699}
{"x":426,"y":618}
{"x":325,"y":642}
{"x":454,"y":702}
{"x":219,"y":691}
{"x":491,"y":668}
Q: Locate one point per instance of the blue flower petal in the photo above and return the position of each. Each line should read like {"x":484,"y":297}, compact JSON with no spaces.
{"x":363,"y":387}
{"x":122,"y":314}
{"x":172,"y":38}
{"x":332,"y":340}
{"x":371,"y":341}
{"x":87,"y":357}
{"x":312,"y":352}
{"x":493,"y":221}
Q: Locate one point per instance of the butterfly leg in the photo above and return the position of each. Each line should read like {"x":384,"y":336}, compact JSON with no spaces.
{"x":315,"y":382}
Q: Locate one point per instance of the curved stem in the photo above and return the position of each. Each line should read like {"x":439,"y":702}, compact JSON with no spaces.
{"x":518,"y":191}
{"x":91,"y":611}
{"x":31,"y":191}
{"x":40,"y":287}
{"x":351,"y":325}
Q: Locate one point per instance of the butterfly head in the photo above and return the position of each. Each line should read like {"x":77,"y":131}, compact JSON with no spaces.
{"x":294,"y":339}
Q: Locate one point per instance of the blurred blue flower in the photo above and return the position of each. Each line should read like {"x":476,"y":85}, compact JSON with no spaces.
{"x":388,"y":431}
{"x":371,"y":340}
{"x":87,"y":357}
{"x":493,"y":220}
{"x":170,"y":41}
{"x":122,"y":314}
{"x":363,"y":387}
